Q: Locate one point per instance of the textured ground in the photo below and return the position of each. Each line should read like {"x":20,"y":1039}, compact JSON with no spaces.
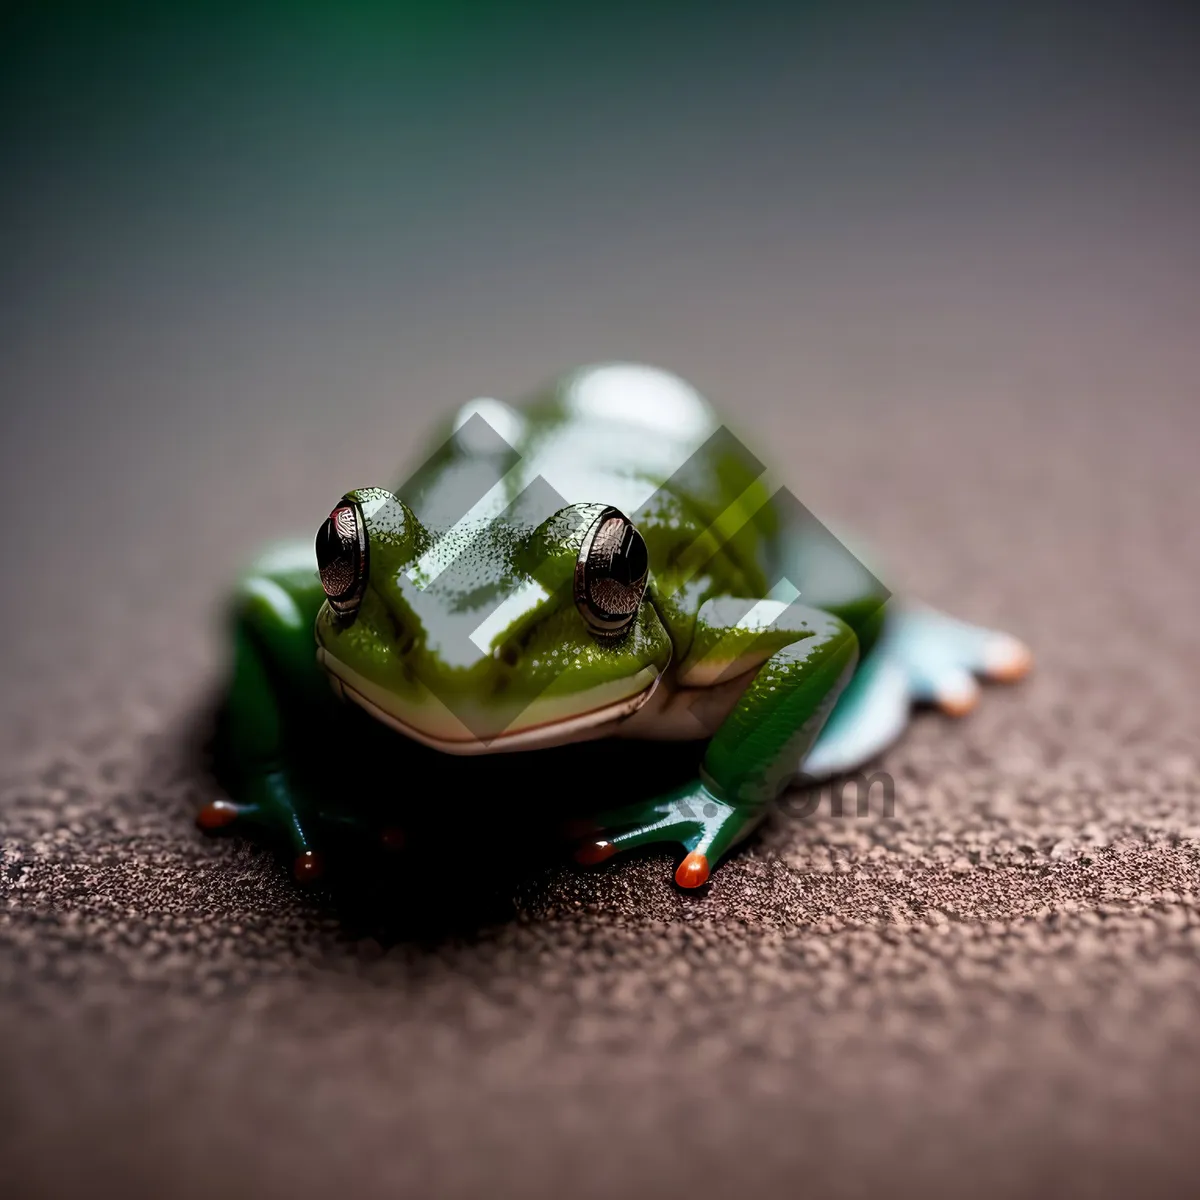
{"x":1004,"y":975}
{"x":985,"y":362}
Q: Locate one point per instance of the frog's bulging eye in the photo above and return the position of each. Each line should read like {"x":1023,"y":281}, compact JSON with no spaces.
{"x":610,"y":574}
{"x":342,"y":558}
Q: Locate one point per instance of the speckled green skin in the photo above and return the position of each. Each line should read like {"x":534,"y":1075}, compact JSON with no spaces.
{"x":616,"y":436}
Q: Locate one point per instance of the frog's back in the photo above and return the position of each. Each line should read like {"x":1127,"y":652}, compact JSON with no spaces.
{"x":615,"y":432}
{"x":623,"y":419}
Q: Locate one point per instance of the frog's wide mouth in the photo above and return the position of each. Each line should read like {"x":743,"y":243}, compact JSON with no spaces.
{"x":547,"y":721}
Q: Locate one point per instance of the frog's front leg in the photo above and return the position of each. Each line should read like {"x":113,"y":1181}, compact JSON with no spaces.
{"x":810,"y":655}
{"x":275,"y":696}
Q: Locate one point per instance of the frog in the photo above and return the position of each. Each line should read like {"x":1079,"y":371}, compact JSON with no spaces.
{"x":597,"y":563}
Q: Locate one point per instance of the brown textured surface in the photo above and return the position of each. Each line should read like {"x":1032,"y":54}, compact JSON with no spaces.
{"x":1004,"y":978}
{"x":985,"y":362}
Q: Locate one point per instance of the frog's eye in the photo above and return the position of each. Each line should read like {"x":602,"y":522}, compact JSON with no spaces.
{"x":610,"y":574}
{"x":342,"y":558}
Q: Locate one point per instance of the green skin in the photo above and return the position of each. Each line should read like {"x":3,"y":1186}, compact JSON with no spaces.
{"x":301,"y":761}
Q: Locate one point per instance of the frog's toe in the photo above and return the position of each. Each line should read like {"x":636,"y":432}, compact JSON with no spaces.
{"x":308,"y":866}
{"x":925,"y":657}
{"x":692,"y":818}
{"x":220,"y":814}
{"x":693,"y":871}
{"x":1006,"y":659}
{"x":591,"y":853}
{"x":955,"y":692}
{"x":943,"y":657}
{"x":655,"y":832}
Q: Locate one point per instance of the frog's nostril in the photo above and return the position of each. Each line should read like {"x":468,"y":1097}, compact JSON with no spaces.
{"x":342,"y":558}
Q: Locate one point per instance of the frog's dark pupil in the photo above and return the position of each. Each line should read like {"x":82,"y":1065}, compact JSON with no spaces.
{"x":335,"y":560}
{"x":339,"y":556}
{"x":630,"y":564}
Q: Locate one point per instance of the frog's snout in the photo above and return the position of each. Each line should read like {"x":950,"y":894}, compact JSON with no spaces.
{"x":342,"y":557}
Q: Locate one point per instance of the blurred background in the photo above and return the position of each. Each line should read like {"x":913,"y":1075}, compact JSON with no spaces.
{"x":942,"y":261}
{"x":246,"y":242}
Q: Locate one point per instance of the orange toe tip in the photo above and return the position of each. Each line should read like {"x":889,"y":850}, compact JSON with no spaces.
{"x":216,"y":815}
{"x":1009,"y":660}
{"x":958,"y":703}
{"x":594,"y":852}
{"x":693,"y":871}
{"x":308,"y":867}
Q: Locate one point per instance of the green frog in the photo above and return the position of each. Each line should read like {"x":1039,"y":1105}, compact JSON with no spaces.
{"x":601,"y":561}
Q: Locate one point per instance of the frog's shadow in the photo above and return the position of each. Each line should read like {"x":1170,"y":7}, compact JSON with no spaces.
{"x":482,"y":836}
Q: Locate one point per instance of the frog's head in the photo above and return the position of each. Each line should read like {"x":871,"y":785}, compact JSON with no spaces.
{"x":497,"y":634}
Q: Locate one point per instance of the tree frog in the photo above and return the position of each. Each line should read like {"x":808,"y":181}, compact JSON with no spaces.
{"x":601,"y":560}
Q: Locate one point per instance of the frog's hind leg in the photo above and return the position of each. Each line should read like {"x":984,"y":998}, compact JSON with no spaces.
{"x":922,"y":656}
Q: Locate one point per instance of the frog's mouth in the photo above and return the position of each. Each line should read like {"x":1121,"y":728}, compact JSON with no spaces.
{"x":547,"y":721}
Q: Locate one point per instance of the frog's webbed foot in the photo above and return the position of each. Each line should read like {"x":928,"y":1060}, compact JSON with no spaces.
{"x":691,"y":816}
{"x":923,"y":656}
